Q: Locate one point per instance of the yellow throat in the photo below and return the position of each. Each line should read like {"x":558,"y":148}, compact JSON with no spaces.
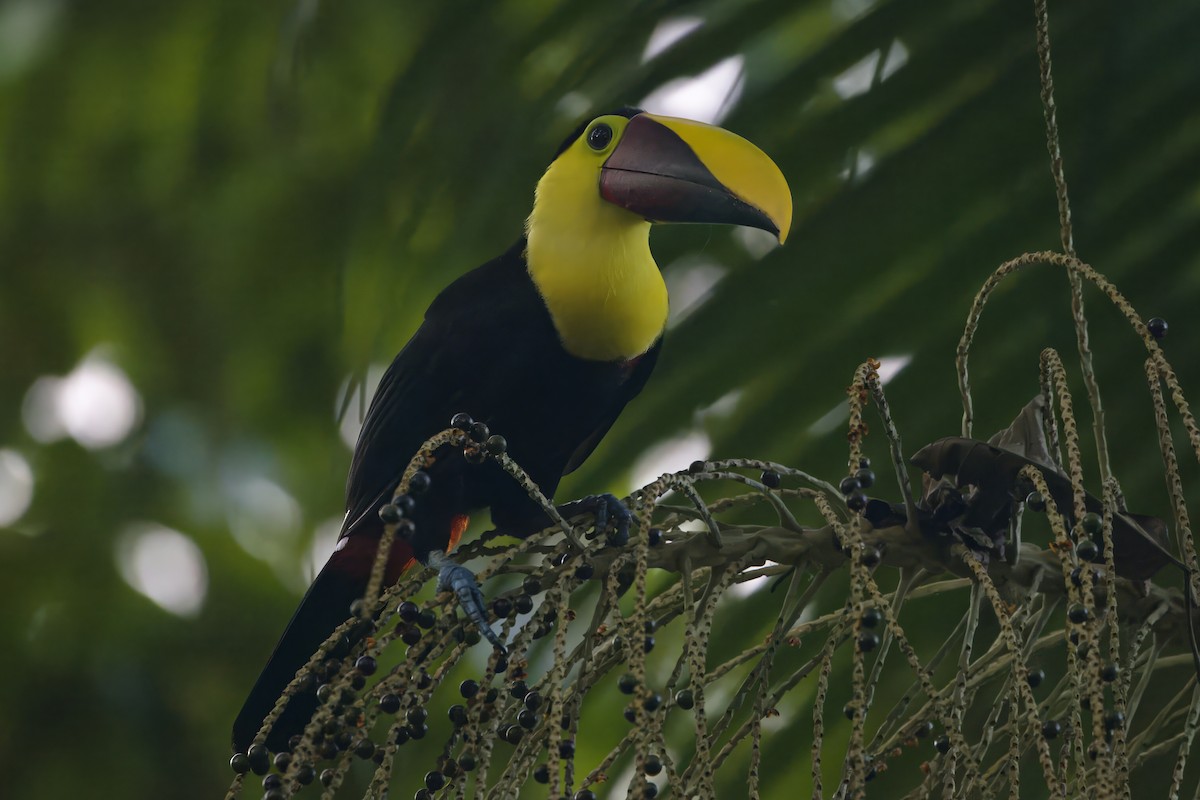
{"x":591,"y":262}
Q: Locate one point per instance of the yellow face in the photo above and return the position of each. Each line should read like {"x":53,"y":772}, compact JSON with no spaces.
{"x":589,"y":252}
{"x":591,"y":260}
{"x":667,"y":169}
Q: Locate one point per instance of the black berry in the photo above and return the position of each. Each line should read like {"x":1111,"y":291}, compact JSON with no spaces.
{"x":259,"y":759}
{"x":419,"y":483}
{"x":1087,"y":550}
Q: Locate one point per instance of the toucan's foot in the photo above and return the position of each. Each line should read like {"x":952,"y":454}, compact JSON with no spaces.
{"x":607,"y":508}
{"x":460,"y":580}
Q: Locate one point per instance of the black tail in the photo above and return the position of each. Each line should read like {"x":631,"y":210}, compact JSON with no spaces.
{"x":325,"y":606}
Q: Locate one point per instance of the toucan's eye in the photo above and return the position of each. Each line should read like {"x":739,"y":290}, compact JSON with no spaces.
{"x":599,"y":137}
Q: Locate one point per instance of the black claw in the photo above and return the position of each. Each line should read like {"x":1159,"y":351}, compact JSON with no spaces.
{"x":621,"y":515}
{"x":461,"y":581}
{"x":609,"y":508}
{"x":601,"y":512}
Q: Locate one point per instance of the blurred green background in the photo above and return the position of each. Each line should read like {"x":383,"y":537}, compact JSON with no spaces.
{"x":213,"y":214}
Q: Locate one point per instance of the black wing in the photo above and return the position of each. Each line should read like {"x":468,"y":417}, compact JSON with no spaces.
{"x":477,"y":320}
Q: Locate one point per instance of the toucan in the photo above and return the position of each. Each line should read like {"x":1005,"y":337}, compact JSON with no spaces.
{"x":545,"y":345}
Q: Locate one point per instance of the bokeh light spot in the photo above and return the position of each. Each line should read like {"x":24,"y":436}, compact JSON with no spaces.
{"x":95,"y":404}
{"x":670,"y":456}
{"x":16,"y":486}
{"x":27,"y":29}
{"x":669,"y":32}
{"x":263,"y":517}
{"x":39,"y":411}
{"x":707,"y":97}
{"x":164,"y":565}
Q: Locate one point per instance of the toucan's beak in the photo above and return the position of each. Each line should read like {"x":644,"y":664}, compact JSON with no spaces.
{"x":675,"y":170}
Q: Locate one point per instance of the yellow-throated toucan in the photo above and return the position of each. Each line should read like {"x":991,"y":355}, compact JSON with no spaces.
{"x":545,"y":344}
